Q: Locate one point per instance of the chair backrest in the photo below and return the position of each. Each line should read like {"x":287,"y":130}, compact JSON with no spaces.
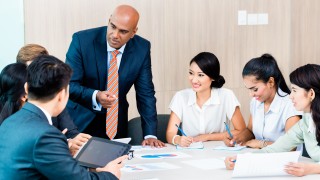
{"x":135,"y":129}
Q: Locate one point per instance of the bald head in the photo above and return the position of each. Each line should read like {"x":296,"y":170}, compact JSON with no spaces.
{"x":122,"y":26}
{"x":127,"y":14}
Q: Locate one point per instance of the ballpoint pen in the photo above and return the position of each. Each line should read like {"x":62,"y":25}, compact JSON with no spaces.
{"x":181,"y":130}
{"x":228,"y":130}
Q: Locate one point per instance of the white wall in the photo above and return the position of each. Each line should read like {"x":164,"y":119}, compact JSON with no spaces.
{"x":11,"y":31}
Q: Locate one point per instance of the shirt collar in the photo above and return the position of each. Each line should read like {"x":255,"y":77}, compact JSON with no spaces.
{"x":311,"y":127}
{"x":214,"y":98}
{"x":45,"y":113}
{"x":110,"y":49}
{"x":274,"y":106}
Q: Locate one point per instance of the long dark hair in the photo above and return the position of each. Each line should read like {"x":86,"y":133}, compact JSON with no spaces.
{"x":209,"y":64}
{"x":308,"y":77}
{"x":265,"y":67}
{"x":12,"y":80}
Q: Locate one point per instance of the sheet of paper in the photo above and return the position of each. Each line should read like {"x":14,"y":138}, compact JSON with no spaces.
{"x":235,"y":148}
{"x":168,"y":155}
{"x":123,"y":140}
{"x":211,"y":163}
{"x":263,"y":164}
{"x":148,"y":167}
{"x":144,"y":148}
{"x":195,"y":145}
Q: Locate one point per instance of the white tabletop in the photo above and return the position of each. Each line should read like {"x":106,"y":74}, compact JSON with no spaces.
{"x":186,"y":171}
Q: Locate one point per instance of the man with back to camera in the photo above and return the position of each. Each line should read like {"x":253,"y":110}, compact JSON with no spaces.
{"x":63,"y":121}
{"x":31,"y":148}
{"x":106,"y":62}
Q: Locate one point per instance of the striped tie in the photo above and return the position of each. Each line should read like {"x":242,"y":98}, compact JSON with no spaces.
{"x":113,"y":86}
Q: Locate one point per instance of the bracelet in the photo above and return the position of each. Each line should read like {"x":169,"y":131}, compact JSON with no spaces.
{"x":265,"y":144}
{"x":172,"y":141}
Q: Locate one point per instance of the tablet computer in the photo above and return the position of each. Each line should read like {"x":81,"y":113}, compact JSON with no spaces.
{"x":98,"y":152}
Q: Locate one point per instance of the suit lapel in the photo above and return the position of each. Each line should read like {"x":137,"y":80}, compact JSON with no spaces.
{"x":101,"y":58}
{"x":126,"y":62}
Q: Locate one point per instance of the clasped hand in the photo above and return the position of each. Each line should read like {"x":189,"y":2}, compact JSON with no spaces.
{"x":106,"y":99}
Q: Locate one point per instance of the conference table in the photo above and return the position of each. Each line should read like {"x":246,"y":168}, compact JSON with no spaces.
{"x":186,"y":170}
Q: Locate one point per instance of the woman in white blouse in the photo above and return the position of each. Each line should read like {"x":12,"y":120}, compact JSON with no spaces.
{"x":271,"y":110}
{"x":305,"y":96}
{"x":205,"y":107}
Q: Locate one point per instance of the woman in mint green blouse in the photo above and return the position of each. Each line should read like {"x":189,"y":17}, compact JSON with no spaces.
{"x":305,"y":95}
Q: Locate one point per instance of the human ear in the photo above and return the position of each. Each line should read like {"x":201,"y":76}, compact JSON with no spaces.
{"x":26,"y":87}
{"x":271,"y":82}
{"x":311,"y":94}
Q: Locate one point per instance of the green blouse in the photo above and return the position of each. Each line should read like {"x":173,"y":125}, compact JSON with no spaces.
{"x":301,"y":132}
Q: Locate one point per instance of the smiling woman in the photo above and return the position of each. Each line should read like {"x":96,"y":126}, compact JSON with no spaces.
{"x":205,"y":107}
{"x":271,"y":111}
{"x":306,"y":97}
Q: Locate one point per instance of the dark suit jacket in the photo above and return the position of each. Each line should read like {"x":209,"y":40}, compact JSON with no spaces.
{"x":87,"y":55}
{"x":62,"y":121}
{"x":31,"y":148}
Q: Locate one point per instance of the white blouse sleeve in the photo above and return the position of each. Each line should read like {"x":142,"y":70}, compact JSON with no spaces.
{"x":231,"y":104}
{"x":176,"y":105}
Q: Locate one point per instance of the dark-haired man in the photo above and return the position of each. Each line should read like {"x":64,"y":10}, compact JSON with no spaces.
{"x":31,"y":148}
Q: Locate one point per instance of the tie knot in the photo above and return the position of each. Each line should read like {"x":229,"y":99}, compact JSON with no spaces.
{"x":115,"y":53}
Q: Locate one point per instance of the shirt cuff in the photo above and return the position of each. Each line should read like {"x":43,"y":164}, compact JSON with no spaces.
{"x":150,"y":136}
{"x":95,"y":105}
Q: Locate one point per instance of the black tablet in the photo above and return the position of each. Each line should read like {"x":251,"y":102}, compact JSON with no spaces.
{"x":98,"y":152}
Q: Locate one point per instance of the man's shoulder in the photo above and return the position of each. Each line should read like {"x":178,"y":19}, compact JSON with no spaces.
{"x":138,"y":40}
{"x":92,"y":31}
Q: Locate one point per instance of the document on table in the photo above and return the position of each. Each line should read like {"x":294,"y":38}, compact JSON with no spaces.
{"x":148,"y":167}
{"x":144,"y":148}
{"x":235,"y":148}
{"x":195,"y":145}
{"x":169,"y":155}
{"x":211,"y":163}
{"x":263,"y":164}
{"x":123,"y":140}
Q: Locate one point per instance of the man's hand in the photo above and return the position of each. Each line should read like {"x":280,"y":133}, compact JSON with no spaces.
{"x":77,"y":142}
{"x":114,"y":166}
{"x":106,"y":99}
{"x":153,"y":143}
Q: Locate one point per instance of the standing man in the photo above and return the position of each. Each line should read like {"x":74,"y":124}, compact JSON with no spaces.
{"x":31,"y":148}
{"x":106,"y":62}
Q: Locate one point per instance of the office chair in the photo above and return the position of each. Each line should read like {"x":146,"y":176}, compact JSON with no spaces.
{"x":135,"y":129}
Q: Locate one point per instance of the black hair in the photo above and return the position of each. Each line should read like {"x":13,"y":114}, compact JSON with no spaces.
{"x":12,"y":80}
{"x":308,"y":77}
{"x":265,"y":67}
{"x":47,"y":76}
{"x":209,"y":64}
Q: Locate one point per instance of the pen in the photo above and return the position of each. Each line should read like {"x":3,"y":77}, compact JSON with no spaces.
{"x":229,"y":132}
{"x":181,"y":130}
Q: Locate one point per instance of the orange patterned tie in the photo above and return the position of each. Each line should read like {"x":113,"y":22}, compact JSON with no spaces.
{"x":113,"y":87}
